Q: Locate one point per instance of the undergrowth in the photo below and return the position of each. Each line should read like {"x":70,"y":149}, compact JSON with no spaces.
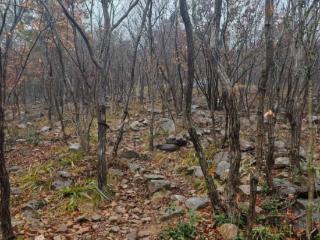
{"x":182,"y":231}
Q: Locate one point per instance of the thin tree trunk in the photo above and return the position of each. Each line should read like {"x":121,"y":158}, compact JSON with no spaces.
{"x":212,"y":190}
{"x":252,"y":205}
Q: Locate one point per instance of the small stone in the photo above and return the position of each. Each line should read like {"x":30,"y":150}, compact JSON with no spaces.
{"x":129,"y":154}
{"x":157,"y":185}
{"x":178,"y":198}
{"x":246,"y":189}
{"x":154,"y":177}
{"x":75,"y":146}
{"x":120,"y":210}
{"x":115,"y":172}
{"x":22,"y":126}
{"x":172,"y":213}
{"x":228,"y":231}
{"x":221,"y":157}
{"x":62,"y":228}
{"x":223,"y":169}
{"x":115,"y":218}
{"x":281,"y":162}
{"x":167,"y":147}
{"x":40,"y":237}
{"x":146,"y":219}
{"x":115,"y":229}
{"x":96,"y":217}
{"x":136,"y":126}
{"x":143,"y":233}
{"x":64,"y":174}
{"x":246,"y":145}
{"x":34,"y":205}
{"x":167,"y":125}
{"x":196,"y":203}
{"x":45,"y":129}
{"x":196,"y":171}
{"x":133,"y":235}
{"x":60,"y":184}
{"x":81,"y":219}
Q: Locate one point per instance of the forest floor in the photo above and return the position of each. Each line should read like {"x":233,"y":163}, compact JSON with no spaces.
{"x":155,"y":195}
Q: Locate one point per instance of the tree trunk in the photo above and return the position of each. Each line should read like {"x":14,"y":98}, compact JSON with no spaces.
{"x":234,"y":175}
{"x":212,"y":190}
{"x":7,"y":232}
{"x":102,"y":132}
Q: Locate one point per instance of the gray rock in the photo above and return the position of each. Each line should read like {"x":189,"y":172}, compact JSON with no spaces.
{"x":245,"y":188}
{"x":167,"y":125}
{"x":129,"y":154}
{"x":22,"y":126}
{"x":167,"y":147}
{"x":115,"y":229}
{"x":136,"y":126}
{"x":178,"y":198}
{"x":133,"y":235}
{"x":246,"y":145}
{"x":34,"y":205}
{"x":64,"y":174}
{"x":281,"y":162}
{"x":154,"y":177}
{"x":172,"y":213}
{"x":14,"y":169}
{"x":279,"y":145}
{"x":302,"y":152}
{"x":115,"y":172}
{"x":285,"y":187}
{"x":134,"y":167}
{"x":196,"y":203}
{"x":196,"y":171}
{"x":96,"y":217}
{"x":60,"y":184}
{"x":15,"y":191}
{"x":45,"y":129}
{"x":75,"y":146}
{"x":157,"y":185}
{"x":221,"y":156}
{"x":223,"y":169}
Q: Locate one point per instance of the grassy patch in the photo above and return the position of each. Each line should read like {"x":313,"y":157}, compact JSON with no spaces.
{"x":77,"y":194}
{"x":38,"y":177}
{"x":182,"y":231}
{"x":71,"y":158}
{"x":221,"y":219}
{"x":264,"y":233}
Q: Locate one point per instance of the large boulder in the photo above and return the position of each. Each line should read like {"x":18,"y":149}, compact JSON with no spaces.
{"x":167,"y":126}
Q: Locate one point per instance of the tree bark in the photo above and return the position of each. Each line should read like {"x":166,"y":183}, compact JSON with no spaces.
{"x":212,"y":190}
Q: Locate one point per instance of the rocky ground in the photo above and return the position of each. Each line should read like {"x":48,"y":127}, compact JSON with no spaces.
{"x":54,"y":194}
